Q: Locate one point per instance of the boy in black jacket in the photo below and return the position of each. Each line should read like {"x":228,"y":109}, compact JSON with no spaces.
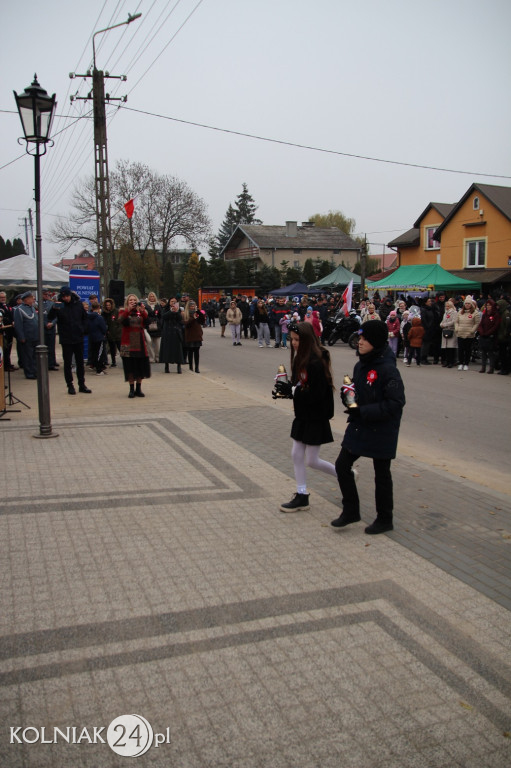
{"x":373,"y":427}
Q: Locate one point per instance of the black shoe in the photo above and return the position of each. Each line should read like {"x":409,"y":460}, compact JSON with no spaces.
{"x":345,"y":519}
{"x":178,"y":369}
{"x":197,"y":370}
{"x":113,"y":365}
{"x":132,"y":393}
{"x":138,"y":392}
{"x":300,"y":501}
{"x":83,"y":388}
{"x":379,"y":527}
{"x":167,"y":369}
{"x":71,"y":390}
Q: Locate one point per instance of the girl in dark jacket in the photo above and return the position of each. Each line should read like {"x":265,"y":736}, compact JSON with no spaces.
{"x":487,"y":330}
{"x":193,"y":320}
{"x":311,"y":389}
{"x":373,"y":427}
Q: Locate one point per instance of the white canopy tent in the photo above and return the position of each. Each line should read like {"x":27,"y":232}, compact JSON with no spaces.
{"x":20,"y":272}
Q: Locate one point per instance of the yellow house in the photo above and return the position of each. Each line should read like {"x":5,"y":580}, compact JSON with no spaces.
{"x":418,"y":245}
{"x":471,"y":238}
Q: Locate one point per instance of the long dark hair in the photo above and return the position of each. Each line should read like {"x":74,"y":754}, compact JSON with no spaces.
{"x":309,"y":348}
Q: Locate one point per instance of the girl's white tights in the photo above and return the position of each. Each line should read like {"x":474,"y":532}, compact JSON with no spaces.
{"x":308,"y":456}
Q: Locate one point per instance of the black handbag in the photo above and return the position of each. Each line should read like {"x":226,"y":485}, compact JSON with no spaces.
{"x":448,"y":333}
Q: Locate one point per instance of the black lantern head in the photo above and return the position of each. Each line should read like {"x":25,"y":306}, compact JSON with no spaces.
{"x":36,"y":110}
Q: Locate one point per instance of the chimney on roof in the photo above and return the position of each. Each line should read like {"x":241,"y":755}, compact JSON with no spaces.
{"x":291,"y":229}
{"x":308,"y":224}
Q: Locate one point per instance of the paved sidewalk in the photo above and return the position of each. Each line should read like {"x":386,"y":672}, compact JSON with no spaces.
{"x":146,"y":569}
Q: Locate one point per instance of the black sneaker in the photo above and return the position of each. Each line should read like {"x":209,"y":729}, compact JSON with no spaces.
{"x":85,"y":389}
{"x":345,"y":519}
{"x":300,"y":501}
{"x":379,"y":527}
{"x":71,"y":390}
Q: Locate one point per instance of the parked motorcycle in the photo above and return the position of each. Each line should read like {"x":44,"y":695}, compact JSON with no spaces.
{"x":344,"y":328}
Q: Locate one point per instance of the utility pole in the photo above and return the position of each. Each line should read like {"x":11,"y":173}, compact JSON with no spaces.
{"x":102,"y":182}
{"x":31,"y":232}
{"x":363,"y":267}
{"x":27,"y":245}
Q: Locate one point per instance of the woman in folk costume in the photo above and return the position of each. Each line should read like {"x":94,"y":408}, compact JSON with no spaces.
{"x":134,"y":353}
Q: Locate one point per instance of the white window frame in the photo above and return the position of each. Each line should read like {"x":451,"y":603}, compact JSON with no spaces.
{"x":466,"y":245}
{"x":475,"y":203}
{"x":436,"y":244}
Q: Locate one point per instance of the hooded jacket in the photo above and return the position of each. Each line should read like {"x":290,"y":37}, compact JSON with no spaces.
{"x":373,"y":428}
{"x":416,"y":333}
{"x":71,"y":320}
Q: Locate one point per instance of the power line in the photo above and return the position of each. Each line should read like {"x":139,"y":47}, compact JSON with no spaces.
{"x":167,"y":45}
{"x":314,"y":149}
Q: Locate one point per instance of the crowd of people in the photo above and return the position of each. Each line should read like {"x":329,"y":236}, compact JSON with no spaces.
{"x":140,"y":332}
{"x":422,"y":331}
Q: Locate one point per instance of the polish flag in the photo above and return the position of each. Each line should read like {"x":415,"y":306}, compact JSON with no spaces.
{"x":347,"y":297}
{"x":129,"y":207}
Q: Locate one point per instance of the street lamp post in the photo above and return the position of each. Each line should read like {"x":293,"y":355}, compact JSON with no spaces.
{"x":36,"y":109}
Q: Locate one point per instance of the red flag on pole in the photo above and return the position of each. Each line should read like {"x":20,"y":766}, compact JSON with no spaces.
{"x":129,"y":207}
{"x":347,"y":297}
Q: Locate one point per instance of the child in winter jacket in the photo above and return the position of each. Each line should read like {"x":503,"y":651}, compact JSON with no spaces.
{"x":284,"y":322}
{"x":415,"y":337}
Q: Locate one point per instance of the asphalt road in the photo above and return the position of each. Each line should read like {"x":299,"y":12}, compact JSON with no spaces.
{"x":456,"y":421}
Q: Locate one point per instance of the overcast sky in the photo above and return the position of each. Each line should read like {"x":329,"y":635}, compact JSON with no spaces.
{"x":401,"y":80}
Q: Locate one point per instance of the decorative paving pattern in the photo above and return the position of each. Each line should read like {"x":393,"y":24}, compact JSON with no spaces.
{"x":171,"y":586}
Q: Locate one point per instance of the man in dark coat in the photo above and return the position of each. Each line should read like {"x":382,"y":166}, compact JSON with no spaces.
{"x":72,"y":327}
{"x":373,"y":427}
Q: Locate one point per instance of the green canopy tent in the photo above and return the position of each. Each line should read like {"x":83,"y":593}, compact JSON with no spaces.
{"x":340,"y":276}
{"x":423,"y":277}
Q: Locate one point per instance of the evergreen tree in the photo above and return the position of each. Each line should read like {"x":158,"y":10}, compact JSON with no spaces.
{"x":17,"y":246}
{"x":213,"y":247}
{"x":2,"y":248}
{"x":204,"y":271}
{"x":268,"y":278}
{"x":294,"y":275}
{"x":243,"y":212}
{"x":325,"y":268}
{"x":8,"y":252}
{"x":228,"y":226}
{"x":246,"y":207}
{"x":218,"y":272}
{"x":240,"y":272}
{"x":309,"y":273}
{"x":192,"y":280}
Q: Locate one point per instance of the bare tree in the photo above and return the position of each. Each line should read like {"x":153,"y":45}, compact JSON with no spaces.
{"x":166,"y":208}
